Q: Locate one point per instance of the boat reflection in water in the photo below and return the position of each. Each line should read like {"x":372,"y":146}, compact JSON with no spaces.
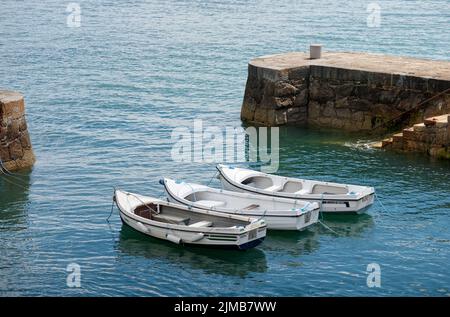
{"x":305,"y":242}
{"x":349,"y":225}
{"x":292,"y":242}
{"x":210,"y":261}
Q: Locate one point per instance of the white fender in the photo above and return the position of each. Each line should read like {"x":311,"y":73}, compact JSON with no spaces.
{"x":142,"y":227}
{"x":196,"y":238}
{"x":173,"y":238}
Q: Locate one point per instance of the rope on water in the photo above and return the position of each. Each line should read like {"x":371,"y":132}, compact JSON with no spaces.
{"x":15,"y":184}
{"x":8,"y":173}
{"x":328,"y":228}
{"x":215,"y":174}
{"x":21,"y":183}
{"x":381,"y":204}
{"x":112,"y":205}
{"x":320,"y":207}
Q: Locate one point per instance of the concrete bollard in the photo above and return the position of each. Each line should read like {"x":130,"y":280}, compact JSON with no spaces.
{"x":315,"y":51}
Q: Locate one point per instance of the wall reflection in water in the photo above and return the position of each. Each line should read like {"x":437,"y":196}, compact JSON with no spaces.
{"x":14,"y":200}
{"x":15,"y":244}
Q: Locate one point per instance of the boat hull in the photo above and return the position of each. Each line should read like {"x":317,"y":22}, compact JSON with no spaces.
{"x":187,"y":237}
{"x":298,"y":222}
{"x":328,"y":203}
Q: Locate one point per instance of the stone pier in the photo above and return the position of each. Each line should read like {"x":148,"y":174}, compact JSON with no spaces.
{"x":346,"y":91}
{"x":15,"y":145}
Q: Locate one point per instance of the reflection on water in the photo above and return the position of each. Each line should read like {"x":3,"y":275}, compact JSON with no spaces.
{"x":292,"y":242}
{"x":347,"y":225}
{"x":305,"y":242}
{"x":13,"y":200}
{"x":209,"y":260}
{"x":14,"y":249}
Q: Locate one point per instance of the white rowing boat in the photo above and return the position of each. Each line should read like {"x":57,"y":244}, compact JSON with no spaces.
{"x":183,"y":225}
{"x":279,"y":213}
{"x":333,"y":197}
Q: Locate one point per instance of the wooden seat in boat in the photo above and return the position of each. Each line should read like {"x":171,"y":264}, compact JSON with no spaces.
{"x":211,"y":203}
{"x":273,"y":188}
{"x":170,"y":219}
{"x":146,"y":211}
{"x":201,"y":224}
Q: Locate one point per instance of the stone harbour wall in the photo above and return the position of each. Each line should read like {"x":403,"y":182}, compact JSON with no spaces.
{"x":275,"y":99}
{"x":347,"y":91}
{"x":15,"y":145}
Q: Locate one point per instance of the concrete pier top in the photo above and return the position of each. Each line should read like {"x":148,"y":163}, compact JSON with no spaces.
{"x":7,"y":96}
{"x":374,"y":63}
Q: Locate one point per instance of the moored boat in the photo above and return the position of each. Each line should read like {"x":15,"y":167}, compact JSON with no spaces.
{"x":279,"y":213}
{"x":182,"y":225}
{"x":333,"y":197}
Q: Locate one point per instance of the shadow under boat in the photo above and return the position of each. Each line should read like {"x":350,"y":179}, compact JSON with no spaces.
{"x":209,"y":260}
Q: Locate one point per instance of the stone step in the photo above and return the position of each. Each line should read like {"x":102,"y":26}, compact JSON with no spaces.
{"x":398,"y":137}
{"x":419,"y":127}
{"x":397,"y":141}
{"x":409,"y":133}
{"x":438,"y":121}
{"x":386,"y":142}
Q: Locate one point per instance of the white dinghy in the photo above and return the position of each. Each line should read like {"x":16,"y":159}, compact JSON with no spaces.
{"x":333,"y":197}
{"x":183,"y":225}
{"x":279,"y":213}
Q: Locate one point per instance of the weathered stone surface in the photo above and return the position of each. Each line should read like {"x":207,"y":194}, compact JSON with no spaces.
{"x":313,"y":110}
{"x":4,"y":153}
{"x":248,"y":110}
{"x":276,"y":117}
{"x":344,"y":90}
{"x":15,"y":150}
{"x":13,"y":130}
{"x":284,"y":89}
{"x":15,"y":145}
{"x":301,"y":100}
{"x":283,"y":102}
{"x":296,"y":115}
{"x":261,"y":115}
{"x":320,"y":91}
{"x":328,"y":110}
{"x":25,"y":141}
{"x":343,"y":113}
{"x":350,"y":91}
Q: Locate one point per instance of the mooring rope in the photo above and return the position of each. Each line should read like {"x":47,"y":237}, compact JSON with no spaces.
{"x":381,"y":204}
{"x":328,"y":228}
{"x":8,"y":174}
{"x":112,"y":205}
{"x":215,"y":174}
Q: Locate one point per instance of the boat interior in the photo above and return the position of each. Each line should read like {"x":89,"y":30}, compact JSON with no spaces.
{"x":212,"y":199}
{"x":171,"y":215}
{"x":294,"y":187}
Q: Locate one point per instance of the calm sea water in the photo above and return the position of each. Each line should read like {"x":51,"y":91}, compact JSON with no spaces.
{"x":103,"y":99}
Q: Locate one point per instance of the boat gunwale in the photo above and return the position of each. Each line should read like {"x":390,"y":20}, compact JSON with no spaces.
{"x":299,"y":213}
{"x":169,"y":226}
{"x":323,"y":198}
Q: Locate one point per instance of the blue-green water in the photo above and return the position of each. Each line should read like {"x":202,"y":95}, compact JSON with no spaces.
{"x":103,"y":99}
